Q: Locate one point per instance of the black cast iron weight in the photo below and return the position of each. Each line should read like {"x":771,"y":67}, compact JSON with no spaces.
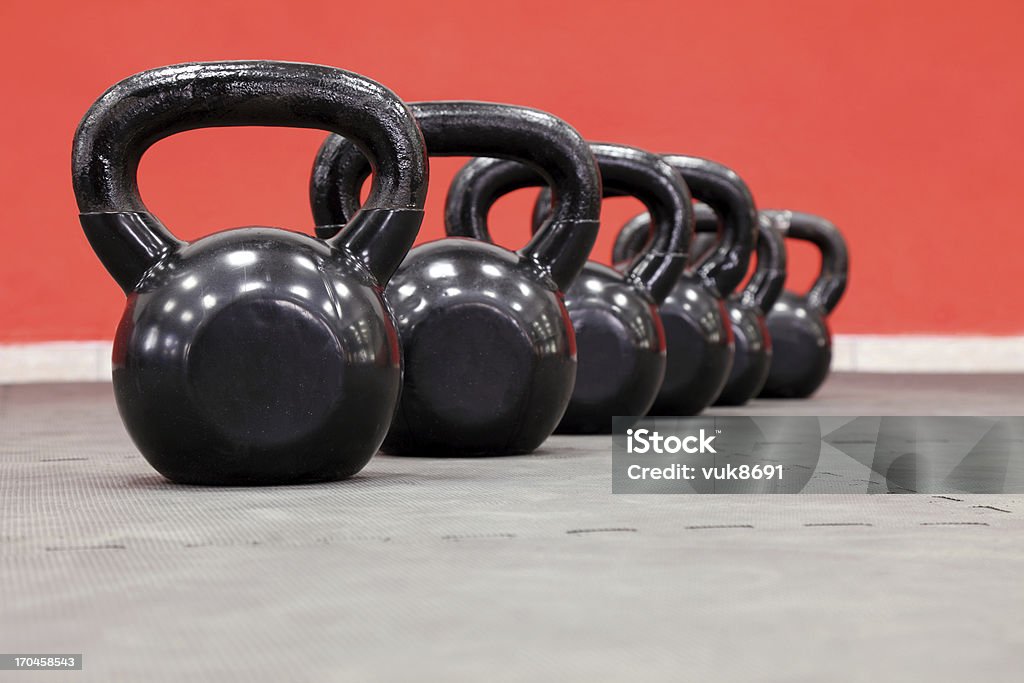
{"x":490,"y":354}
{"x":619,"y":335}
{"x":747,"y":307}
{"x":253,"y":355}
{"x":798,"y":323}
{"x":699,"y":336}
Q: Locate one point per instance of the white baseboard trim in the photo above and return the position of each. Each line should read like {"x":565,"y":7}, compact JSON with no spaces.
{"x":927,"y":353}
{"x":89,"y":361}
{"x":60,"y":361}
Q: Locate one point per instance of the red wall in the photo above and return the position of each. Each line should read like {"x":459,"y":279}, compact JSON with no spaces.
{"x":901,"y":121}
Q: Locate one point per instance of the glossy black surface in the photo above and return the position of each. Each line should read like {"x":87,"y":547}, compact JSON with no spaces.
{"x":254,"y":355}
{"x":798,"y":322}
{"x":699,"y":343}
{"x":701,"y":338}
{"x":619,"y":336}
{"x":490,"y":357}
{"x":490,"y":354}
{"x":753,"y":345}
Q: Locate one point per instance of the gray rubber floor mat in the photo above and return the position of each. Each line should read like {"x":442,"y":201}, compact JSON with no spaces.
{"x":519,"y":568}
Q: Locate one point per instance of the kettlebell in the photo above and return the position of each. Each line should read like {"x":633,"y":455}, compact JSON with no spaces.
{"x":253,"y":355}
{"x":619,"y":335}
{"x":699,"y":337}
{"x":753,"y":352}
{"x":798,"y":322}
{"x":490,"y":354}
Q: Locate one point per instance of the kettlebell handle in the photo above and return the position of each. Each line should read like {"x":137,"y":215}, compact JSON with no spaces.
{"x":723,"y":190}
{"x":829,"y":286}
{"x":142,"y":109}
{"x":548,"y":145}
{"x":769,"y":277}
{"x":624,"y":171}
{"x":635,"y":234}
{"x":767,"y":280}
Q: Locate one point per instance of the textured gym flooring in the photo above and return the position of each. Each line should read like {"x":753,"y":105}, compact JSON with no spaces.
{"x":518,"y":568}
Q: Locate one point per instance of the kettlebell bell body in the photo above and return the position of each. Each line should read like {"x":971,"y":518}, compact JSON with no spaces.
{"x":798,"y":323}
{"x":619,"y":336}
{"x":253,"y":355}
{"x":490,"y":354}
{"x":699,"y":335}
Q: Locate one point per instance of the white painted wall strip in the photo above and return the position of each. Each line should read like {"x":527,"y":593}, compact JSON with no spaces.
{"x":62,"y":361}
{"x":86,"y":361}
{"x":928,"y":353}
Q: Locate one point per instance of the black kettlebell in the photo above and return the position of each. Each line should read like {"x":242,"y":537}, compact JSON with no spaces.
{"x":698,"y":334}
{"x":490,"y":354}
{"x":619,"y":336}
{"x":253,"y":355}
{"x":747,"y":307}
{"x":798,"y":322}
